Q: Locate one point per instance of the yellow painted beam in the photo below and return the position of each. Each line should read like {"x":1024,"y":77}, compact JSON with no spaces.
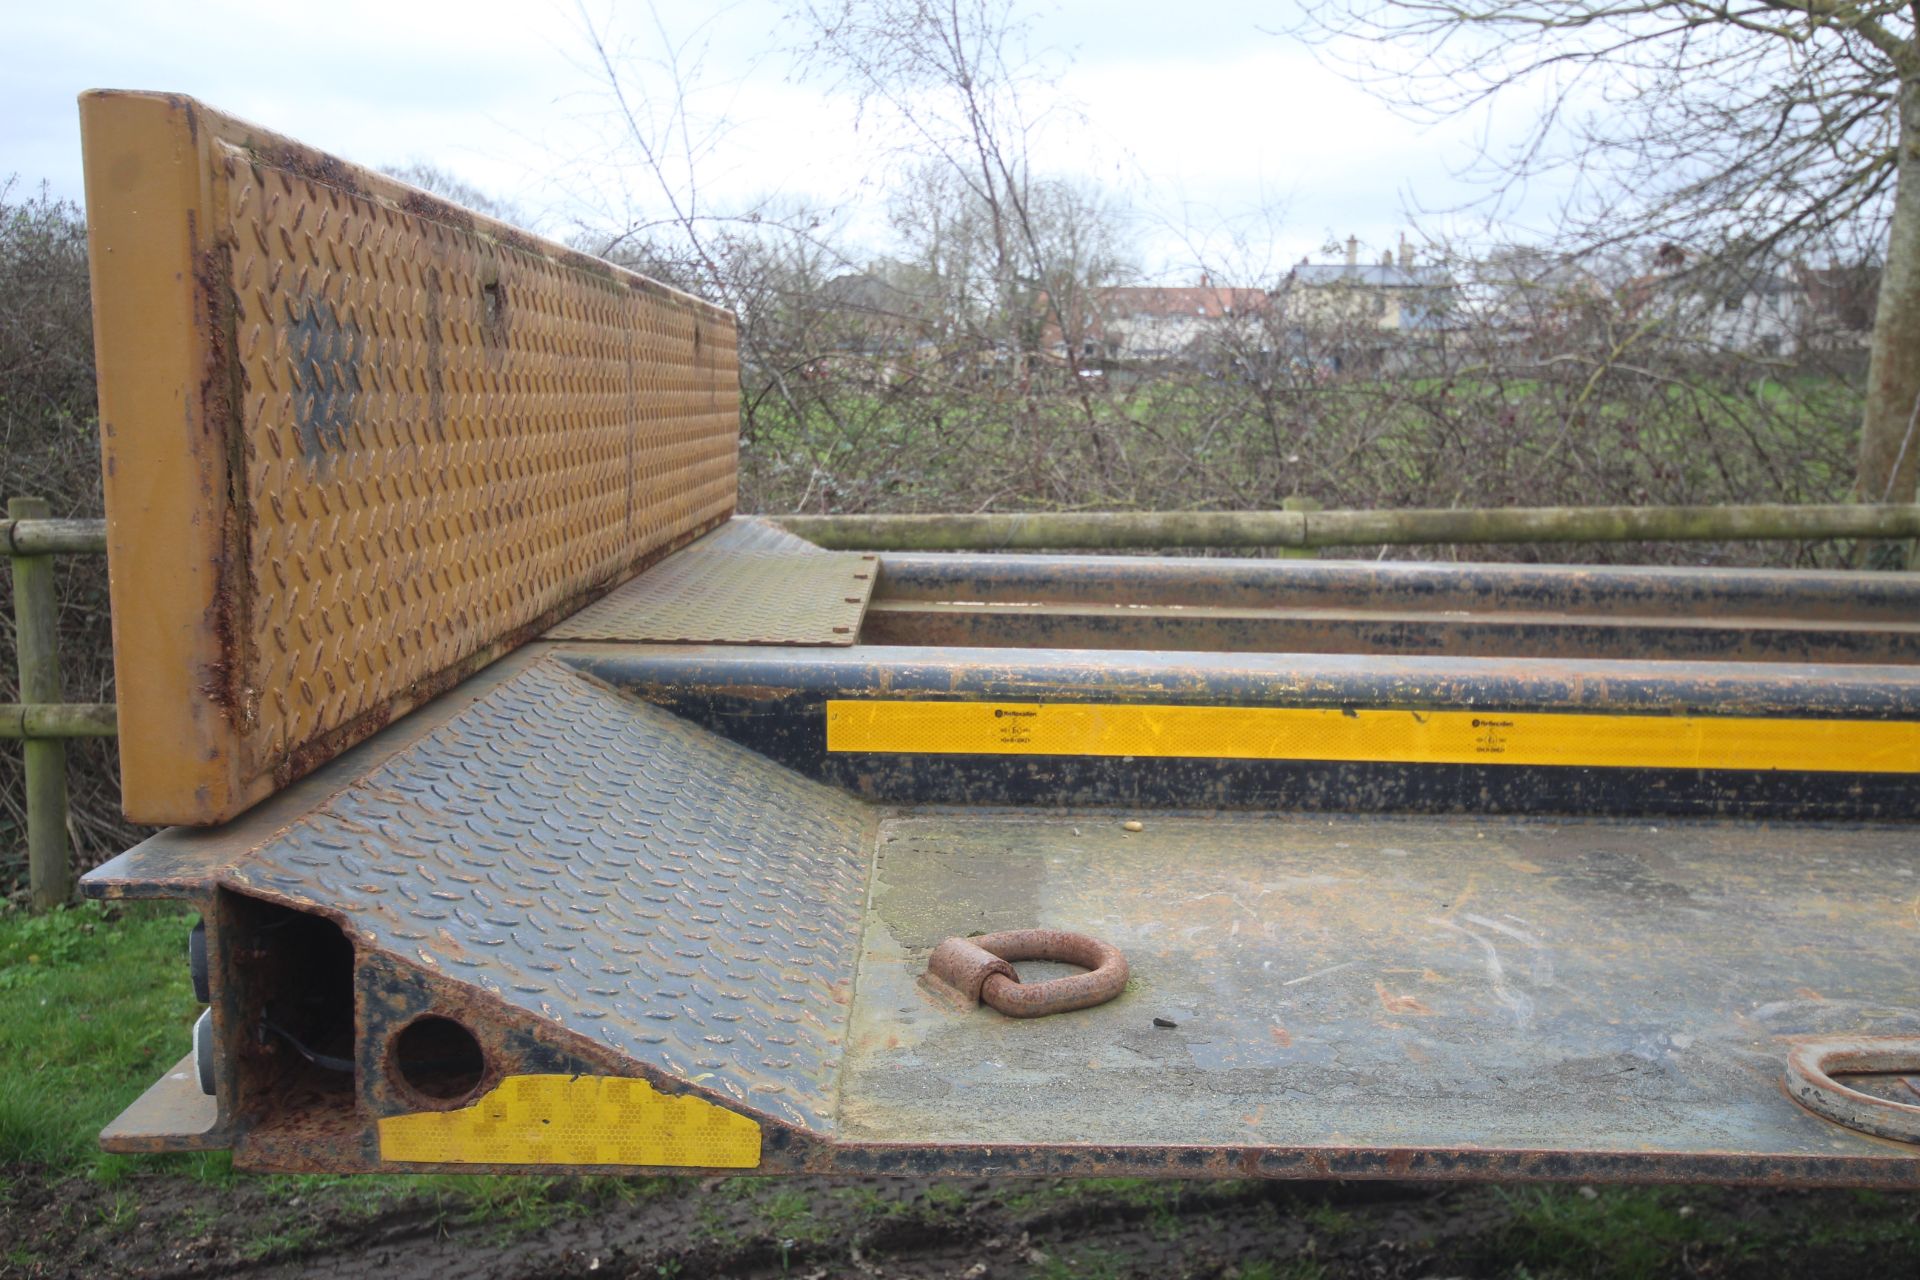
{"x":1376,"y":734}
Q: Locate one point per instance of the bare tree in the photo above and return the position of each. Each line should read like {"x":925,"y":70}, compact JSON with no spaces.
{"x":956,"y":82}
{"x":50,"y":448}
{"x":1754,"y":127}
{"x":1072,"y":247}
{"x":437,"y":181}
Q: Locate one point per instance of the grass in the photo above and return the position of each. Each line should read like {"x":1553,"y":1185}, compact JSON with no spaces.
{"x":283,"y":1242}
{"x":946,"y":1197}
{"x":95,"y":1003}
{"x":865,"y":1202}
{"x":791,"y":1216}
{"x":1295,"y":1269}
{"x":1084,"y":1264}
{"x":1622,"y":1233}
{"x":1329,"y":1221}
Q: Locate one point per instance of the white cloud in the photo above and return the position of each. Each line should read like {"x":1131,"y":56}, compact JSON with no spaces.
{"x":1201,"y":123}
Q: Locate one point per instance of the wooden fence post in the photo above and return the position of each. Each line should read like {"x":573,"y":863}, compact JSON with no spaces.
{"x":36,"y":637}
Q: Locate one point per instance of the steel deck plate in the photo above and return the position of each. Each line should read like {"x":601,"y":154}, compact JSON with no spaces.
{"x":1354,"y":996}
{"x":611,"y":870}
{"x":748,"y":582}
{"x":1390,"y":983}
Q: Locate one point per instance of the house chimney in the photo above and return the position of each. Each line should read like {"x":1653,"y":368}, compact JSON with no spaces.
{"x":1353,"y":251}
{"x":1406,"y":253}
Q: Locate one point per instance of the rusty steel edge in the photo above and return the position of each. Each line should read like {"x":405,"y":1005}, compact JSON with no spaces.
{"x":328,"y":1141}
{"x":1892,"y":1170}
{"x":666,"y":672}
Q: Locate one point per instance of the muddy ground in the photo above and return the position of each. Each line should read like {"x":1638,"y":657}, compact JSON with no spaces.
{"x":152,"y":1224}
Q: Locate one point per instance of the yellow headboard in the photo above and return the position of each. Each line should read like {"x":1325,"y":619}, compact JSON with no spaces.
{"x":357,"y":443}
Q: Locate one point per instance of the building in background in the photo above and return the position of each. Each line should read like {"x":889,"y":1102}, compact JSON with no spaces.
{"x":1393,"y":294}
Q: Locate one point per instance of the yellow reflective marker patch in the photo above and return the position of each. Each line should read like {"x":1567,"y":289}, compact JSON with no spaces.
{"x":579,"y":1120}
{"x":1372,"y":734}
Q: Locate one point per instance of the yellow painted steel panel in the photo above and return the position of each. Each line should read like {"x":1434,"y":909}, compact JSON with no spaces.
{"x":576,"y":1120}
{"x":358,"y":442}
{"x":1372,"y":734}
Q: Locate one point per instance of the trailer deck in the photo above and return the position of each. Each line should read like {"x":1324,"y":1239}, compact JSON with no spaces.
{"x":540,"y":813}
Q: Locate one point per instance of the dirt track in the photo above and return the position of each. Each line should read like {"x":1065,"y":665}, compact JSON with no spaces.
{"x":154,"y":1226}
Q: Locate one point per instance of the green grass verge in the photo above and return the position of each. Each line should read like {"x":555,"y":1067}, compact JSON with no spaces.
{"x":95,"y":1003}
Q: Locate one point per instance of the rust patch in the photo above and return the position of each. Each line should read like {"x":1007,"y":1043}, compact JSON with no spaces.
{"x":1400,"y":1004}
{"x":421,"y":204}
{"x":314,"y":166}
{"x":514,"y":238}
{"x":222,"y":388}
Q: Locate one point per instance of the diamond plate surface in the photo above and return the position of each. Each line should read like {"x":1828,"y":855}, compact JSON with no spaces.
{"x":415,"y":437}
{"x":443,"y":438}
{"x":610,"y":868}
{"x":748,"y":582}
{"x":757,"y":533}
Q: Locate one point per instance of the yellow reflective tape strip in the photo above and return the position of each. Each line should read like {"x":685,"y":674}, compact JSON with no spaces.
{"x":1372,"y":734}
{"x":578,"y":1120}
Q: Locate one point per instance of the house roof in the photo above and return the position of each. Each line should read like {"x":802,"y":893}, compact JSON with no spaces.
{"x":1377,"y":275}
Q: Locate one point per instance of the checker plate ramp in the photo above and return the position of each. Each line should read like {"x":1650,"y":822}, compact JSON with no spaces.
{"x":610,"y":870}
{"x":748,"y":582}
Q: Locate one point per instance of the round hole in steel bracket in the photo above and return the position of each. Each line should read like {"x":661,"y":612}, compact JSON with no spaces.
{"x":438,"y":1059}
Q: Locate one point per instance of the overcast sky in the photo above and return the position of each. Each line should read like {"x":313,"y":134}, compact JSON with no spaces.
{"x":1201,"y":119}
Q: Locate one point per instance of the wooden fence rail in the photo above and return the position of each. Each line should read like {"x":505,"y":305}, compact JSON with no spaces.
{"x":1303,"y":527}
{"x":43,"y":722}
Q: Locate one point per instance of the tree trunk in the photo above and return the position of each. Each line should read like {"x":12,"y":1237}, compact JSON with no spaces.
{"x":1889,"y":438}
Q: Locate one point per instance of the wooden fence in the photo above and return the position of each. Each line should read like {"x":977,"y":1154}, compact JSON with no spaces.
{"x":40,"y":718}
{"x":43,"y":722}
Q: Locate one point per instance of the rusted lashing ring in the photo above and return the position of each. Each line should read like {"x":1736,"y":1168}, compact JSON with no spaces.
{"x":972,"y":971}
{"x":1811,"y":1062}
